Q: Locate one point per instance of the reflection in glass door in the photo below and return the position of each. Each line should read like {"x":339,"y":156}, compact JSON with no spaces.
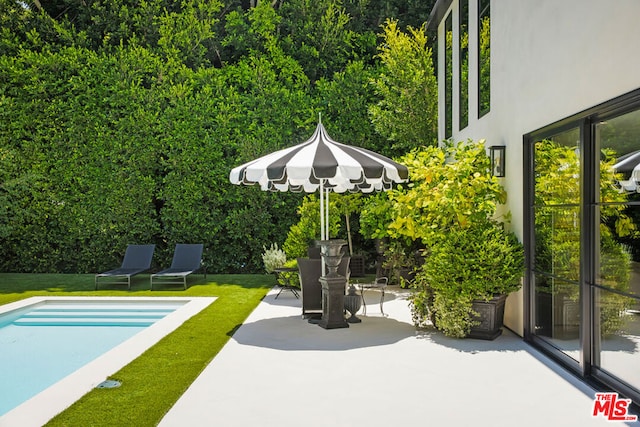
{"x":583,"y":243}
{"x":616,"y":287}
{"x":556,"y":262}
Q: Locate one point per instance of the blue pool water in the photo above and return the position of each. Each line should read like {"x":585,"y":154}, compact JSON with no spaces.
{"x":43,"y":343}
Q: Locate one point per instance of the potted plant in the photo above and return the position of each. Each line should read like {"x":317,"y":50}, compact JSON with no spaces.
{"x":466,"y":278}
{"x":451,"y":207}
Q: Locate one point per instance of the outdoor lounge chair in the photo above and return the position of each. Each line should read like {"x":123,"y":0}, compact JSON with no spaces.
{"x":137,"y":258}
{"x":187,"y":258}
{"x":310,"y":272}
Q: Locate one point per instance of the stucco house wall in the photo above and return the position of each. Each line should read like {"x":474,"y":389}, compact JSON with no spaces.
{"x":549,"y":59}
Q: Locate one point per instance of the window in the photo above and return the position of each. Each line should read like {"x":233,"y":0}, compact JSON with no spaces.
{"x":484,"y":57}
{"x":463,"y":52}
{"x":448,"y":77}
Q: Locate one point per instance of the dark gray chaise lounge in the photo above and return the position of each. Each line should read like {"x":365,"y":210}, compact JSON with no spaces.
{"x":187,"y":258}
{"x":137,"y":258}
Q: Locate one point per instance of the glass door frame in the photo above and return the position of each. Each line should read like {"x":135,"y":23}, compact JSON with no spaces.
{"x":586,"y":121}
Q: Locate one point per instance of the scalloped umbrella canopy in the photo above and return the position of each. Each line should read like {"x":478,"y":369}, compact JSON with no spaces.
{"x":628,"y":165}
{"x":321,"y":164}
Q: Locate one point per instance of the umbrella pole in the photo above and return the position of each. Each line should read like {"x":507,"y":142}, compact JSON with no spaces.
{"x":326,"y":220}
{"x":322,"y":235}
{"x":322,"y":229}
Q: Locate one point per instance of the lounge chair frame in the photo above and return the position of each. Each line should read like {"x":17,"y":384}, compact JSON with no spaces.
{"x":137,"y":259}
{"x":187,"y":259}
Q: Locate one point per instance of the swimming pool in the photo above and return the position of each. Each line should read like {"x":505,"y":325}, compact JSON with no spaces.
{"x":54,"y":350}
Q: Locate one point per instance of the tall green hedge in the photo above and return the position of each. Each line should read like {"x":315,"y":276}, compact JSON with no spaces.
{"x":120,"y":123}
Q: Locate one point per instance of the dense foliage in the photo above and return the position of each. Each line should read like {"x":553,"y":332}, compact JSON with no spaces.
{"x":449,"y":209}
{"x":408,"y":90}
{"x":120,"y":120}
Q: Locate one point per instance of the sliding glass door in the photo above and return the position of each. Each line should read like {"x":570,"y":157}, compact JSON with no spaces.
{"x":583,"y":242}
{"x":616,"y":322}
{"x":556,"y":262}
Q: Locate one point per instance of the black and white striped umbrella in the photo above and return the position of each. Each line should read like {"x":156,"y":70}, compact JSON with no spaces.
{"x":321,"y":164}
{"x":629,"y":166}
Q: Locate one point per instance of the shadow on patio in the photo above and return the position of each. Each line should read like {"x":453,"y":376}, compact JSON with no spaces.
{"x":280,"y":370}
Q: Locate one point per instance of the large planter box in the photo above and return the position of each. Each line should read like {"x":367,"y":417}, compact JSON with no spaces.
{"x":490,"y":316}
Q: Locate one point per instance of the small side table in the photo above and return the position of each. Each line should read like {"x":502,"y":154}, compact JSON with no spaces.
{"x":286,"y":280}
{"x":380,"y":283}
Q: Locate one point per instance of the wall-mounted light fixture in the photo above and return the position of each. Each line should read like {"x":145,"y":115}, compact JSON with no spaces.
{"x":497,"y":160}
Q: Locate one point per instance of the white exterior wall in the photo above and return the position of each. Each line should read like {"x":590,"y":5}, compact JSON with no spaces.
{"x":550,"y":59}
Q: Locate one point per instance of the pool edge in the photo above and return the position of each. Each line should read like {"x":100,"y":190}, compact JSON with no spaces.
{"x":42,"y":407}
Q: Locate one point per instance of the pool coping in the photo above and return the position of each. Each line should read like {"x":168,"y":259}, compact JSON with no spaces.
{"x":38,"y":410}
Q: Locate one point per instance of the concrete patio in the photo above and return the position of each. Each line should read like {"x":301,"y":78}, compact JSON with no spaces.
{"x":279,"y":370}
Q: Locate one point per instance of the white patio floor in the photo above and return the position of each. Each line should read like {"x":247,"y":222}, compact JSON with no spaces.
{"x":279,"y":370}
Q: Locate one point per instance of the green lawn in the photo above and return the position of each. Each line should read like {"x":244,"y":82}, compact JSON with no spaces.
{"x":152,"y":383}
